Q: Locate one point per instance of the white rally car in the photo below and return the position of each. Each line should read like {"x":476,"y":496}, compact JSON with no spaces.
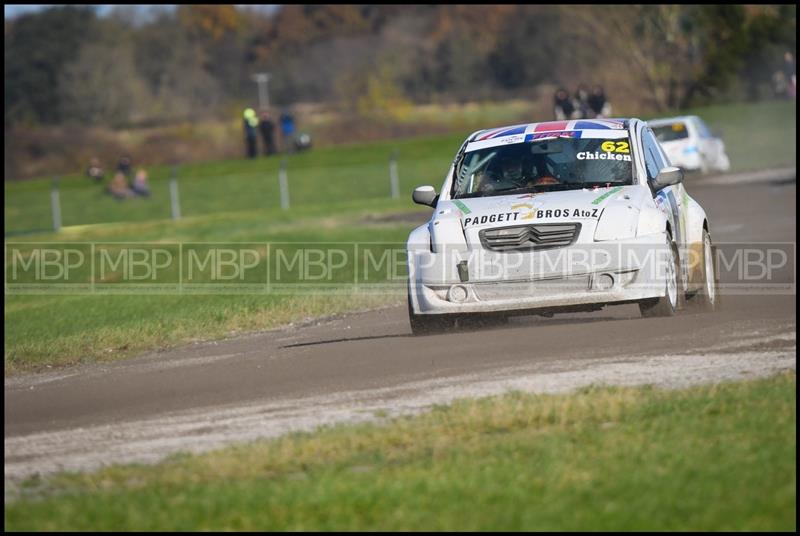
{"x":554,"y":217}
{"x":690,"y":145}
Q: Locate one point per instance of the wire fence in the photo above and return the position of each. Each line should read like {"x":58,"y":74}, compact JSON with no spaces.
{"x":180,"y":192}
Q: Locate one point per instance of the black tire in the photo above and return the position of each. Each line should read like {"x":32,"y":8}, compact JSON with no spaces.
{"x":665,"y":306}
{"x":429,"y":324}
{"x":706,"y":299}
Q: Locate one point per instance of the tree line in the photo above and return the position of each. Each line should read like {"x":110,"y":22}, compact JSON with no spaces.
{"x":68,"y":65}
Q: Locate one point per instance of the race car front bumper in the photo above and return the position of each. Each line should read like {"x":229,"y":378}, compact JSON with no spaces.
{"x":479,"y":281}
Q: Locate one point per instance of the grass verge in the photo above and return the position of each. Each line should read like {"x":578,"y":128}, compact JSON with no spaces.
{"x":44,"y":330}
{"x":719,"y":457}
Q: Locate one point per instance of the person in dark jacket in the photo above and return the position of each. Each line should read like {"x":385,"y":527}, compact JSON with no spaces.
{"x":124,"y":166}
{"x":267,"y":127}
{"x":563,"y":109}
{"x":250,"y":124}
{"x":598,"y":105}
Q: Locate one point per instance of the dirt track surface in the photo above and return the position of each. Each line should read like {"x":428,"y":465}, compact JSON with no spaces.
{"x":350,"y":368}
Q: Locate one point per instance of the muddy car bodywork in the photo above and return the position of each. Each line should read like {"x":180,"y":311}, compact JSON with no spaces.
{"x":513,"y":254}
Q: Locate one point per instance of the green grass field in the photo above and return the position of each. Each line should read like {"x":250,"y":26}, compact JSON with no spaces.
{"x":42,"y":331}
{"x":333,"y":191}
{"x":342,"y":174}
{"x":756,"y":135}
{"x":712,"y":458}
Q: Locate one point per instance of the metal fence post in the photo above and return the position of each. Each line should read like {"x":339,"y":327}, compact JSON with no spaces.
{"x":175,"y":202}
{"x":394,"y":180}
{"x":55,"y":205}
{"x":283,"y":183}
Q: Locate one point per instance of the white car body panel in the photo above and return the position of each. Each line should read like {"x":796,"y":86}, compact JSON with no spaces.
{"x":613,"y":222}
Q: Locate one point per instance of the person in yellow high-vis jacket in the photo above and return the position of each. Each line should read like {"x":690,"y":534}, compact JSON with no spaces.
{"x":250,"y":131}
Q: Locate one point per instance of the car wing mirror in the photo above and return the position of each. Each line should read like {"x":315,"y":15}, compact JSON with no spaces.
{"x":668,"y":176}
{"x":425,"y":195}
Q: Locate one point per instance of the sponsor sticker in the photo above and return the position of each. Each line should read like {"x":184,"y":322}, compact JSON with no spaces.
{"x":491,"y":218}
{"x":572,"y":212}
{"x":609,"y":193}
{"x":461,"y":206}
{"x":518,"y":138}
{"x":586,"y":155}
{"x":534,"y":213}
{"x":575,"y":134}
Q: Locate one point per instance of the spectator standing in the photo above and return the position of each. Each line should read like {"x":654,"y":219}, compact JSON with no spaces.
{"x":563,"y":106}
{"x":267,"y":127}
{"x":250,"y":124}
{"x":598,"y":105}
{"x":95,"y":171}
{"x":582,"y":101}
{"x":287,"y":130}
{"x":790,"y":75}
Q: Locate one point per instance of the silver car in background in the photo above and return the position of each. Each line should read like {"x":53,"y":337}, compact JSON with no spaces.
{"x":690,"y":144}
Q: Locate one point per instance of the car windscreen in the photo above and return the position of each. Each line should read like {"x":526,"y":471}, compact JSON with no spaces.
{"x":671,"y":132}
{"x":548,"y":163}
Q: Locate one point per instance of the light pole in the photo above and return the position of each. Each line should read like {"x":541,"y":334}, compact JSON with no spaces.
{"x":263,"y":89}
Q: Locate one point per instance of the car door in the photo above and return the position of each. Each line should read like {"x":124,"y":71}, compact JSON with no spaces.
{"x":708,"y":146}
{"x":672,"y":200}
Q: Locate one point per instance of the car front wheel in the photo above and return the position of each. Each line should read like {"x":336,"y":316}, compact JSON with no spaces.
{"x":672,"y":300}
{"x":429,"y":324}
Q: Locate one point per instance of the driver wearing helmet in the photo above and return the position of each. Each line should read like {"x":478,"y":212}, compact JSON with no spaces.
{"x":541,"y":175}
{"x":509,"y":175}
{"x":505,"y":176}
{"x":516,"y":171}
{"x":511,"y":168}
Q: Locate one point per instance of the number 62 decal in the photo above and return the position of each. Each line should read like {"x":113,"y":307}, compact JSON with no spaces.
{"x":615,"y":147}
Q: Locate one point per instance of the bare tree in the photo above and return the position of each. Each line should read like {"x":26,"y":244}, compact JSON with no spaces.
{"x":102,"y":86}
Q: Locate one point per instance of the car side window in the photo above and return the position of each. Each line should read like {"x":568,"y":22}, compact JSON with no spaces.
{"x":652,"y":158}
{"x":661,"y":156}
{"x":663,"y":159}
{"x":702,"y":129}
